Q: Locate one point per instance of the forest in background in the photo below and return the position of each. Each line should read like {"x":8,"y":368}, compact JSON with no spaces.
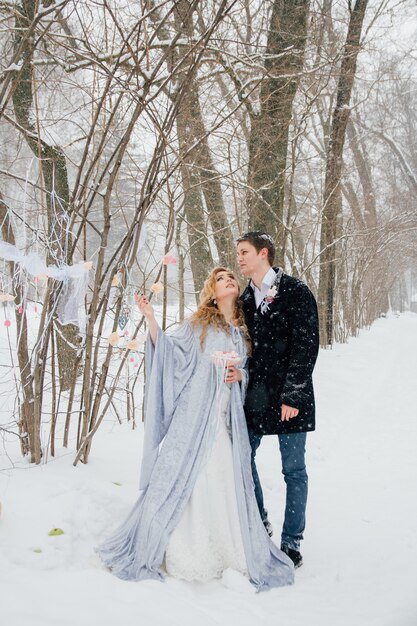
{"x":139,"y":139}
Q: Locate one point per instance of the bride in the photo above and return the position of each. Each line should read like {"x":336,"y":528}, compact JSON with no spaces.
{"x":196,"y":514}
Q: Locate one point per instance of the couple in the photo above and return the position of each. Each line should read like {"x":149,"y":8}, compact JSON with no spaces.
{"x":237,"y":366}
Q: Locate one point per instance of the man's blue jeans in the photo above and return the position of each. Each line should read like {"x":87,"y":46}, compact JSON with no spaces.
{"x":292,"y":448}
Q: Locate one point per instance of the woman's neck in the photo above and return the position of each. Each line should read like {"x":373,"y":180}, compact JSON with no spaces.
{"x":227,"y":309}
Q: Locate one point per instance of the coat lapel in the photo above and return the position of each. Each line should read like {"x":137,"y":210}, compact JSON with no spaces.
{"x":248,"y":296}
{"x":277,"y":280}
{"x":263,"y":305}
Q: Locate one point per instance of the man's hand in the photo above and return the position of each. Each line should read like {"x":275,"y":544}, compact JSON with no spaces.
{"x":288,"y":412}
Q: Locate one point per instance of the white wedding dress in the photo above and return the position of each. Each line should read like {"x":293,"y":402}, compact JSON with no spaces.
{"x":208,"y":540}
{"x":197,"y":507}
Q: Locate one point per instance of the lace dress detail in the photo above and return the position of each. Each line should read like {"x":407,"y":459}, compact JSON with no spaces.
{"x":208,"y":540}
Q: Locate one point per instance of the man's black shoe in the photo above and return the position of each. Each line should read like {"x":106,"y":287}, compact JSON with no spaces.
{"x":294,"y":555}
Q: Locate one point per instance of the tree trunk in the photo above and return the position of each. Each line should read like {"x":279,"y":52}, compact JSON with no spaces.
{"x":268,"y":143}
{"x":200,"y":253}
{"x":29,"y":435}
{"x":332,"y":189}
{"x":362,"y":163}
{"x":199,"y":175}
{"x":55,"y":179}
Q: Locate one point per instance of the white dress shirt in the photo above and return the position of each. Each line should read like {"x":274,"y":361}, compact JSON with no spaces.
{"x":267,"y":282}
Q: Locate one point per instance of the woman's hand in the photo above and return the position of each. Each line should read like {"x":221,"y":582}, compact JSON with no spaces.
{"x":233,"y":375}
{"x":147,"y":310}
{"x":145,"y":306}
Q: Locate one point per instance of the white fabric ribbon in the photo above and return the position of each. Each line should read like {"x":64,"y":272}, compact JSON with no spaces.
{"x":70,"y":307}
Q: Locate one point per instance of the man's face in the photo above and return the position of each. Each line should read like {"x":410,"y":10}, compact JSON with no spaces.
{"x":249,"y":259}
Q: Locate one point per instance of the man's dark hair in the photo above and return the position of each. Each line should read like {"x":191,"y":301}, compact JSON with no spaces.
{"x":260,"y":240}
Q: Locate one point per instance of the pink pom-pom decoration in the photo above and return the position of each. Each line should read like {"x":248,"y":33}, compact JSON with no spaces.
{"x":169,"y":260}
{"x":157,"y":287}
{"x":133,"y":344}
{"x":7,"y":323}
{"x":20,"y":310}
{"x":113,"y":339}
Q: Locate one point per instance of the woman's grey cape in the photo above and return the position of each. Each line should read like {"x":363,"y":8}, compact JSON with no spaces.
{"x":181,"y":392}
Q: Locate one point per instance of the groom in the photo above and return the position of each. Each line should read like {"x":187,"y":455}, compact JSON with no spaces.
{"x":281,"y":316}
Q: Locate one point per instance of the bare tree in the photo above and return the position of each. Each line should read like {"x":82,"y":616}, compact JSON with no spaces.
{"x":189,"y":121}
{"x":332,"y":193}
{"x":284,"y":55}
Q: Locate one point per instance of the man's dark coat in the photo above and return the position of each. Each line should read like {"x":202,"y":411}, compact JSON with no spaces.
{"x":285,"y":343}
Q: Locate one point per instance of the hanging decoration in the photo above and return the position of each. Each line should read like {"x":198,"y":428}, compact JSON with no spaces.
{"x":33,"y":264}
{"x":134,"y":344}
{"x":157,"y":287}
{"x":124,"y":316}
{"x":169,"y":260}
{"x":114,"y":339}
{"x":6,"y":297}
{"x":74,"y":278}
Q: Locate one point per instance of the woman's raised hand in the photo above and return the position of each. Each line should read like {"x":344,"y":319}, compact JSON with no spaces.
{"x":145,"y":306}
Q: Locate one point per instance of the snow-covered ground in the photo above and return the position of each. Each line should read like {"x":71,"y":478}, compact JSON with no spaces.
{"x":360,"y":547}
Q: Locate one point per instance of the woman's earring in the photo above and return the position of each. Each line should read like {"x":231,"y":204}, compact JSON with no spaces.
{"x":214,"y":301}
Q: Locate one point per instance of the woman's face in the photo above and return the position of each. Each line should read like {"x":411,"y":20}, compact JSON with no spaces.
{"x":225,"y":286}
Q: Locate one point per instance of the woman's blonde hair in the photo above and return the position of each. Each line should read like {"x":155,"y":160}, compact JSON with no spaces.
{"x":208,"y":312}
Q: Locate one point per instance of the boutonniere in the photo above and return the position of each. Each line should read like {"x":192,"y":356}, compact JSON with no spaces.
{"x":271,"y":294}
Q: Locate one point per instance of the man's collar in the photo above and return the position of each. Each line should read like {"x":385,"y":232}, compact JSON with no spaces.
{"x":267,"y":281}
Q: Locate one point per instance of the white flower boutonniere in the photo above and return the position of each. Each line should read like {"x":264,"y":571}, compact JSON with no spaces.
{"x":269,"y":298}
